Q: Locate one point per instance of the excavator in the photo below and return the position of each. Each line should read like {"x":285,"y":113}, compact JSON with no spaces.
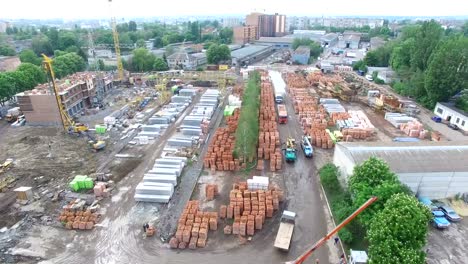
{"x":95,"y":144}
{"x":290,"y":150}
{"x":69,"y":125}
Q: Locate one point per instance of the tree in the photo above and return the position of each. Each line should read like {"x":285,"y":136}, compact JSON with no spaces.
{"x":218,"y":53}
{"x":160,"y":65}
{"x":225,"y":35}
{"x":158,"y":43}
{"x":301,"y":42}
{"x":315,"y":50}
{"x":426,"y":41}
{"x":447,"y":73}
{"x":373,"y":178}
{"x":360,"y":66}
{"x":35,"y":72}
{"x":7,"y":51}
{"x":29,"y":56}
{"x":66,"y":39}
{"x":41,"y":44}
{"x":398,"y":233}
{"x":101,"y":65}
{"x":141,"y":43}
{"x":67,"y":64}
{"x":132,"y":26}
{"x":142,"y":60}
{"x":401,"y":55}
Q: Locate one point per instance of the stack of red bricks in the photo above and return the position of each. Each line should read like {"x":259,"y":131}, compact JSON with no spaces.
{"x":297,"y":80}
{"x":249,"y":209}
{"x":193,"y":226}
{"x":211,"y":190}
{"x":268,"y":138}
{"x":219,"y":155}
{"x":78,"y":219}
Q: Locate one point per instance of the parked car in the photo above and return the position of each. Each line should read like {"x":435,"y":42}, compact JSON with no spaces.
{"x":453,"y":126}
{"x":436,"y":119}
{"x":427,"y":202}
{"x":369,"y":77}
{"x":450,"y":213}
{"x":439,"y":221}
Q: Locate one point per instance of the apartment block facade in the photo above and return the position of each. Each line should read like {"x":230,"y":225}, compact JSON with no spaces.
{"x":245,"y":34}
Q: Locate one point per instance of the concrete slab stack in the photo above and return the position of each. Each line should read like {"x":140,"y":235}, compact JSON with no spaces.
{"x":154,"y":192}
{"x":158,"y":120}
{"x":181,"y":99}
{"x":258,"y":183}
{"x":187,"y":92}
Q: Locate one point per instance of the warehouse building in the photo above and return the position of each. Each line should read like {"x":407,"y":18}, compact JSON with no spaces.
{"x":277,"y":43}
{"x":78,"y":91}
{"x":301,"y":55}
{"x":349,"y":41}
{"x":250,"y":54}
{"x":450,"y":113}
{"x":432,"y":169}
{"x":329,"y":40}
{"x":186,"y":61}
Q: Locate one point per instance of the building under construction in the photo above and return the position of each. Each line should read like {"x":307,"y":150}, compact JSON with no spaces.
{"x":79,"y":91}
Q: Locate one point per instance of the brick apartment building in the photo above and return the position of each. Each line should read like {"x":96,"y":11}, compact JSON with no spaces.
{"x":245,"y":34}
{"x":259,"y":25}
{"x":77,"y":92}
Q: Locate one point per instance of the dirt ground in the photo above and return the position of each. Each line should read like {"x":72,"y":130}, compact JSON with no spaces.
{"x":448,"y":246}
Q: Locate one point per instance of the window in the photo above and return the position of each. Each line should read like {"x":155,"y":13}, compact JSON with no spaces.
{"x":463,"y":123}
{"x":439,"y":110}
{"x":458,"y":120}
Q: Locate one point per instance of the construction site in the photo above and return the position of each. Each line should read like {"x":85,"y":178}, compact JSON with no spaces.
{"x":186,"y":166}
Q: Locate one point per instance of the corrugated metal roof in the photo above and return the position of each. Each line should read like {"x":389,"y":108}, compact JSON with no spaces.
{"x":406,"y":157}
{"x":247,"y":51}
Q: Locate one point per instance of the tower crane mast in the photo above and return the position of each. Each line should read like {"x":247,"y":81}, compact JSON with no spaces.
{"x":116,"y":44}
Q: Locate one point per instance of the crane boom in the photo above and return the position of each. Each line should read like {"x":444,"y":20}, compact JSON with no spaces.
{"x":115,"y":33}
{"x":322,"y":241}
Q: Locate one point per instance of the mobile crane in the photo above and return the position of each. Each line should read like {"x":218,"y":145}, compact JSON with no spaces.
{"x":67,"y":122}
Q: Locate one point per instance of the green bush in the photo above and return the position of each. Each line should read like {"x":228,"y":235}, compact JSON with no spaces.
{"x":329,"y":176}
{"x":346,"y":236}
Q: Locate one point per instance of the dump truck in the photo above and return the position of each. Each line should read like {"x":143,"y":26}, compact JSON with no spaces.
{"x":290,"y":150}
{"x":307,"y":147}
{"x":282,"y":114}
{"x":285,"y":230}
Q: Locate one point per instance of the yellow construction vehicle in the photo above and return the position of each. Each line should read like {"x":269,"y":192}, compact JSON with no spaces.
{"x":6,"y":165}
{"x":68,"y":124}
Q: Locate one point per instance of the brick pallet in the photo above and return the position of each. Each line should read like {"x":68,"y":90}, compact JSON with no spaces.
{"x":219,"y":155}
{"x":193,"y":227}
{"x":81,"y":218}
{"x":211,"y":190}
{"x":249,"y":209}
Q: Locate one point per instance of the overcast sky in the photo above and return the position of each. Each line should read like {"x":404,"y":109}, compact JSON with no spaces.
{"x":71,"y":9}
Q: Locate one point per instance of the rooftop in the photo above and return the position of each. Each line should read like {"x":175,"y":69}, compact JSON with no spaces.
{"x":406,"y":157}
{"x":303,"y":50}
{"x":351,"y":37}
{"x":454,"y":108}
{"x":329,"y":37}
{"x":179,"y":56}
{"x":276,"y":39}
{"x":248,"y":50}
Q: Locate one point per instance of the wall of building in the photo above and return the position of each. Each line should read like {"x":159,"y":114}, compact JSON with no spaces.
{"x":245,"y":34}
{"x":444,"y":112}
{"x":343,"y":44}
{"x":436,"y":185}
{"x":40,"y":109}
{"x":300,"y":58}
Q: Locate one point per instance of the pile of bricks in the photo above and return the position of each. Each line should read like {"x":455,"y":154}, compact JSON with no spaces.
{"x":73,"y":217}
{"x":219,"y":155}
{"x":268,"y":138}
{"x":249,"y":209}
{"x":211,"y":190}
{"x":193,"y":226}
{"x":297,"y":80}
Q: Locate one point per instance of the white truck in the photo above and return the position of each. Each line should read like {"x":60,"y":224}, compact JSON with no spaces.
{"x":279,"y":86}
{"x":285,"y":231}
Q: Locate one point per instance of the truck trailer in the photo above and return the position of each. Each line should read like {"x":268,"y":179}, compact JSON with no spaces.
{"x":285,"y":230}
{"x":279,"y":86}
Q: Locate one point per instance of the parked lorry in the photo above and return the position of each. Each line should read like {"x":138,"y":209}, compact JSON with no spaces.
{"x":13,"y":114}
{"x":282,"y":114}
{"x":279,"y":86}
{"x":307,"y":147}
{"x":285,"y":230}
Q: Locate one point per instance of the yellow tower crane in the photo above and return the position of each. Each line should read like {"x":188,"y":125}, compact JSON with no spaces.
{"x":68,"y":124}
{"x":116,"y":44}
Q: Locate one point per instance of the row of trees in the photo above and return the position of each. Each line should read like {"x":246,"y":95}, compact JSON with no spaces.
{"x":395,"y":225}
{"x":431,"y":62}
{"x":218,"y":53}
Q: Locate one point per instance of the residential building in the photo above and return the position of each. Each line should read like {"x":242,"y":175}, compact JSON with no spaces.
{"x":352,"y":22}
{"x":453,"y":115}
{"x":294,"y":23}
{"x":200,"y":58}
{"x":231,"y":22}
{"x":77,"y":92}
{"x":3,"y":26}
{"x":9,"y":63}
{"x":277,"y":43}
{"x":245,"y":34}
{"x":349,"y":41}
{"x":266,"y":26}
{"x":250,"y":54}
{"x":433,"y":169}
{"x":252,"y":19}
{"x":301,"y":55}
{"x":280,"y":25}
{"x":149,"y":44}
